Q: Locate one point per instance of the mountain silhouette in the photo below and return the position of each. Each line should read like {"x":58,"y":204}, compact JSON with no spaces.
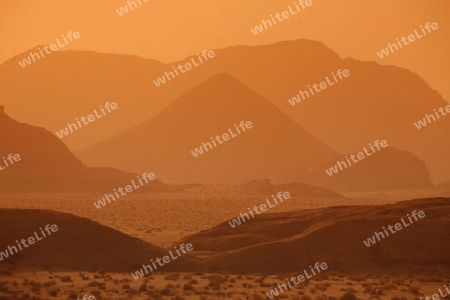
{"x":272,"y":146}
{"x":47,"y":165}
{"x":37,"y":147}
{"x":373,"y":102}
{"x":295,"y":189}
{"x":85,"y":80}
{"x":388,"y":169}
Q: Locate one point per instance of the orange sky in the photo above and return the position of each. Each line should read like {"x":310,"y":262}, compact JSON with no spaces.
{"x":170,"y":30}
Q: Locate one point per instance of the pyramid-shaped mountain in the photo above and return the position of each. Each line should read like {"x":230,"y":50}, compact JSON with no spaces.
{"x":274,"y":144}
{"x":373,"y":102}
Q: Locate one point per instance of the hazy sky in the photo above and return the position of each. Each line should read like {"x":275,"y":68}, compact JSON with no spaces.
{"x":171,"y":30}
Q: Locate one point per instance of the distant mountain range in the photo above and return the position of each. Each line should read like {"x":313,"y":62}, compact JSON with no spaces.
{"x":375,"y":102}
{"x":273,"y":145}
{"x":295,"y":189}
{"x":275,"y":148}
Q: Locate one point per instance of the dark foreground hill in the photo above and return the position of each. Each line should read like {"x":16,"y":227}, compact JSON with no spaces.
{"x":292,"y":241}
{"x":79,"y":244}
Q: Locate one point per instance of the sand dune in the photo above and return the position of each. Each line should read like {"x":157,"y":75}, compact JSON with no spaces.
{"x":79,"y":244}
{"x":289,"y":241}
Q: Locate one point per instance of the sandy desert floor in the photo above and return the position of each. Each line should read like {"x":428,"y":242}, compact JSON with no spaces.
{"x":164,"y":218}
{"x":179,"y":286}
